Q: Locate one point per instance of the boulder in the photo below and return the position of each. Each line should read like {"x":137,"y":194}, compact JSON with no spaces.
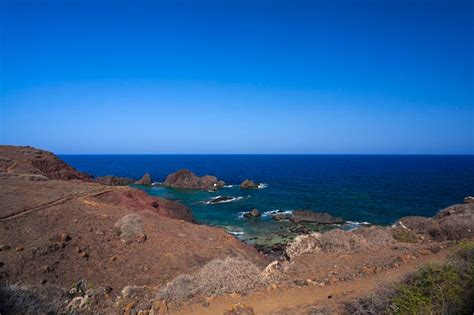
{"x":113,"y":180}
{"x":252,"y":214}
{"x":248,"y":184}
{"x":315,"y":217}
{"x":469,"y":199}
{"x":185,"y":179}
{"x":145,"y":180}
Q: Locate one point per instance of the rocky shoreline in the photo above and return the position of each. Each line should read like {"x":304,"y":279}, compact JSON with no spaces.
{"x":60,"y":226}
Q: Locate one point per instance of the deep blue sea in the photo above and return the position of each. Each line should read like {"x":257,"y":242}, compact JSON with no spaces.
{"x":377,"y":189}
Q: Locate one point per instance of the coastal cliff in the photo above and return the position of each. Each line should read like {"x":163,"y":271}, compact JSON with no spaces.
{"x":79,"y":246}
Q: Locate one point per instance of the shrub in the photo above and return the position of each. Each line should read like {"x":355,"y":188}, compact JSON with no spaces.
{"x":231,"y":275}
{"x":335,"y":240}
{"x":130,"y":228}
{"x":404,"y":235}
{"x":17,"y":299}
{"x":433,"y":288}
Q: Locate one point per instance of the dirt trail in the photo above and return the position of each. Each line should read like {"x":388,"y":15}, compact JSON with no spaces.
{"x":56,"y":202}
{"x":10,"y":168}
{"x":276,"y":300}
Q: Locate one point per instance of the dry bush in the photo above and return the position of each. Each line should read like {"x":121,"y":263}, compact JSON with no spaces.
{"x":17,"y":299}
{"x":218,"y":277}
{"x":337,"y":240}
{"x":130,"y":228}
{"x":455,"y":227}
{"x":374,"y":237}
{"x":374,"y":304}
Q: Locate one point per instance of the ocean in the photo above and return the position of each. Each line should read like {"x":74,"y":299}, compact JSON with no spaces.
{"x":374,"y":189}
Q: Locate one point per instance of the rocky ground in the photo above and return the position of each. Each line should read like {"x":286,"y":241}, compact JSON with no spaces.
{"x":58,"y":232}
{"x":68,"y":243}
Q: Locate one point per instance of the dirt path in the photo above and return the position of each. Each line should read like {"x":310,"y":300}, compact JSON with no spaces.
{"x":10,"y":168}
{"x":275,"y":300}
{"x":55,"y":202}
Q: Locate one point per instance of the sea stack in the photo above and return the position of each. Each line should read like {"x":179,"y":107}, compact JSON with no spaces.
{"x":145,"y":180}
{"x":186,"y":179}
{"x":252,"y":214}
{"x":248,"y":184}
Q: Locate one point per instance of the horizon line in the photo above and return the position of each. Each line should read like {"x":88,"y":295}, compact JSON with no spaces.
{"x":405,"y":154}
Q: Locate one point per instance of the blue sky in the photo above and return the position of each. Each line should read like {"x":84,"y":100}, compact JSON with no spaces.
{"x":238,"y":76}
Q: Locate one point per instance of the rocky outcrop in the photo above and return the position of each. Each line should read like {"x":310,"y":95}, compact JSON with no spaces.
{"x":299,"y":216}
{"x":145,"y":180}
{"x":185,"y":179}
{"x":315,"y":217}
{"x":469,"y":199}
{"x":248,"y":184}
{"x":452,"y":223}
{"x":113,"y":180}
{"x":20,"y":161}
{"x":252,"y":214}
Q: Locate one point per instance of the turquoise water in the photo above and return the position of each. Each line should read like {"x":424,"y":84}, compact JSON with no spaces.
{"x":378,"y":189}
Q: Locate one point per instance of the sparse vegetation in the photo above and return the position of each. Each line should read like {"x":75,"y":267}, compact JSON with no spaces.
{"x":130,"y":228}
{"x":231,"y":275}
{"x":29,"y":300}
{"x":404,"y":235}
{"x":433,"y":289}
{"x":338,"y":240}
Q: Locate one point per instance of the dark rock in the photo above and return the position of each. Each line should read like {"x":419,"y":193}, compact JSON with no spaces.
{"x":145,"y":180}
{"x":113,"y":180}
{"x":248,"y":184}
{"x":186,"y":179}
{"x":282,"y":216}
{"x":315,"y":217}
{"x":4,"y":247}
{"x":220,"y":199}
{"x":252,"y":214}
{"x":108,"y":289}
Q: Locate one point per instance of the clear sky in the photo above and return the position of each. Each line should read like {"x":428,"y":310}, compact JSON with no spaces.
{"x":238,"y":76}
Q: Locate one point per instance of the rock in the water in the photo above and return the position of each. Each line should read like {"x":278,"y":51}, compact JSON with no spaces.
{"x":220,"y":199}
{"x":252,"y":214}
{"x":298,"y":216}
{"x":315,"y":217}
{"x":145,"y":180}
{"x":248,"y":184}
{"x":113,"y":180}
{"x":186,"y":179}
{"x":469,"y":199}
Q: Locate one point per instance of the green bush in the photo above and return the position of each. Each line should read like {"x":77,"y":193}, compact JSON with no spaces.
{"x":434,"y":288}
{"x":404,"y":235}
{"x":439,"y":289}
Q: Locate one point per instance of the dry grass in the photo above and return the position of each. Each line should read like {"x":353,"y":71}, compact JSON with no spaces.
{"x":29,"y":300}
{"x":218,"y":277}
{"x":337,"y":240}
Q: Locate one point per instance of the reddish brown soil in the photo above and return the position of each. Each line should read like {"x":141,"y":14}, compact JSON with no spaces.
{"x":16,"y":161}
{"x":62,"y":231}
